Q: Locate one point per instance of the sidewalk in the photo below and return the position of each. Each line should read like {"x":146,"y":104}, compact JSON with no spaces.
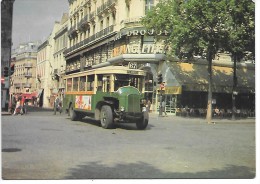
{"x":200,"y":119}
{"x":29,"y":109}
{"x":5,"y":113}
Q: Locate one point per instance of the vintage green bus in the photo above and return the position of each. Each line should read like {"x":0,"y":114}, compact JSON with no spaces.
{"x":111,"y":94}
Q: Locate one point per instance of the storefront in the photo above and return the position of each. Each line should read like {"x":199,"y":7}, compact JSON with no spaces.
{"x":186,"y":86}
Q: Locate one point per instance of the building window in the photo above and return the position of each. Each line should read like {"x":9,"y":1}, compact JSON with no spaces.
{"x":107,"y":22}
{"x":148,"y":5}
{"x":101,"y":25}
{"x":94,"y":29}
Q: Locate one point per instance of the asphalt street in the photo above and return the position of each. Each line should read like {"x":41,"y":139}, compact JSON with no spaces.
{"x":41,"y":145}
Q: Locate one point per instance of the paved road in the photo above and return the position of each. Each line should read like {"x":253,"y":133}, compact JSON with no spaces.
{"x":40,"y":145}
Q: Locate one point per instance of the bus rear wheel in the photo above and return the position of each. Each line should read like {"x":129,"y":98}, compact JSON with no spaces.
{"x":106,"y":117}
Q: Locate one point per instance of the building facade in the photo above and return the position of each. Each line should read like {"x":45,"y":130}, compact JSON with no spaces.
{"x":43,"y":74}
{"x":51,"y":64}
{"x":109,"y":32}
{"x":23,"y":80}
{"x":59,"y":62}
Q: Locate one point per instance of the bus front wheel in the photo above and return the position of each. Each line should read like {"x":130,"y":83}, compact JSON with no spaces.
{"x":106,"y":117}
{"x":143,"y":122}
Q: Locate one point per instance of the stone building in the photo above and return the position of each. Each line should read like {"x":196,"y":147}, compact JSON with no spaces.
{"x":109,"y":32}
{"x":43,"y":73}
{"x":51,"y":64}
{"x":59,"y":63}
{"x":23,"y":80}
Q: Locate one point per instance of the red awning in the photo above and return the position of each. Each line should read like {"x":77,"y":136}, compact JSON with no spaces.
{"x":29,"y":95}
{"x":34,"y":94}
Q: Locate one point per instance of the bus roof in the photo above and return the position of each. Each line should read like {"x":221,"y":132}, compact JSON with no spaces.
{"x":109,"y":70}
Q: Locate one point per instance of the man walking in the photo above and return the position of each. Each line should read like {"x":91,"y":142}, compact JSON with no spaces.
{"x":164,"y":107}
{"x":57,"y":105}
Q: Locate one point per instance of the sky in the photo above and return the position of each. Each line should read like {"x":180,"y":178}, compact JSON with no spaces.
{"x":34,"y":19}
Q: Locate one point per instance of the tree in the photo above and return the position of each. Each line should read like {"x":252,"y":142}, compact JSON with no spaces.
{"x":196,"y":28}
{"x":240,"y":30}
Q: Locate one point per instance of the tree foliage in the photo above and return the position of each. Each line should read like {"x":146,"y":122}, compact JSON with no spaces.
{"x":240,"y":27}
{"x":203,"y":27}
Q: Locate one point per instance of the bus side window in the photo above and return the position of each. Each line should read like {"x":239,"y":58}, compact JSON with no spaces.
{"x":82,"y":83}
{"x":69,"y":84}
{"x":100,"y":83}
{"x":75,"y":84}
{"x":90,"y":82}
{"x":107,"y":84}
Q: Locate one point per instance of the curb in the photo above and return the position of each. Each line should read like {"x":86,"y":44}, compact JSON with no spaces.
{"x":199,"y":119}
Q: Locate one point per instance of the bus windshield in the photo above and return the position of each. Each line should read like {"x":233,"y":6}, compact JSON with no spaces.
{"x":128,"y":80}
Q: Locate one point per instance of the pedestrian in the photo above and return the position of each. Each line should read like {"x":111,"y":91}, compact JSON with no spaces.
{"x":57,"y":105}
{"x":13,"y":104}
{"x":148,"y":105}
{"x":164,"y":107}
{"x":17,"y":106}
{"x":22,"y":103}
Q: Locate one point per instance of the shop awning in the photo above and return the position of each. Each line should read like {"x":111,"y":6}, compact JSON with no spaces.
{"x":28,"y":95}
{"x":194,"y":76}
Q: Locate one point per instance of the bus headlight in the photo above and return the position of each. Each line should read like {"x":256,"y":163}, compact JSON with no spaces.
{"x":122,"y":109}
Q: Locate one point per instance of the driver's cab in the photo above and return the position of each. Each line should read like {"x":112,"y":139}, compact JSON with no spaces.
{"x":112,"y":82}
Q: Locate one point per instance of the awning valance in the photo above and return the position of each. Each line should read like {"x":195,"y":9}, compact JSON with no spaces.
{"x":28,"y":95}
{"x":194,"y":77}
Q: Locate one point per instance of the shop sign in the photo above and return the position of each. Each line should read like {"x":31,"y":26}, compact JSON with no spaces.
{"x":173,"y":90}
{"x":137,"y":49}
{"x":141,"y":32}
{"x":146,"y":32}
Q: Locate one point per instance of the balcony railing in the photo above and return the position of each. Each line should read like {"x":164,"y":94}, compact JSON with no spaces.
{"x":92,"y":15}
{"x":72,"y":30}
{"x":17,"y":85}
{"x":28,"y":74}
{"x":27,"y":85}
{"x":99,"y":34}
{"x":105,"y":6}
{"x":27,"y":65}
{"x":83,"y":24}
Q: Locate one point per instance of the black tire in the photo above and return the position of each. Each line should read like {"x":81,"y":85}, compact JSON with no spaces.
{"x":143,"y":122}
{"x":106,"y":117}
{"x":73,"y":114}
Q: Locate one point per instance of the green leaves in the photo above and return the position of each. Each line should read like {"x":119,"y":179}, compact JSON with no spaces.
{"x":240,"y":26}
{"x":199,"y":25}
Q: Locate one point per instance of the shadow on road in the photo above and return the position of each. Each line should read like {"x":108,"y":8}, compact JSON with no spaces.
{"x":125,"y":126}
{"x":141,"y":170}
